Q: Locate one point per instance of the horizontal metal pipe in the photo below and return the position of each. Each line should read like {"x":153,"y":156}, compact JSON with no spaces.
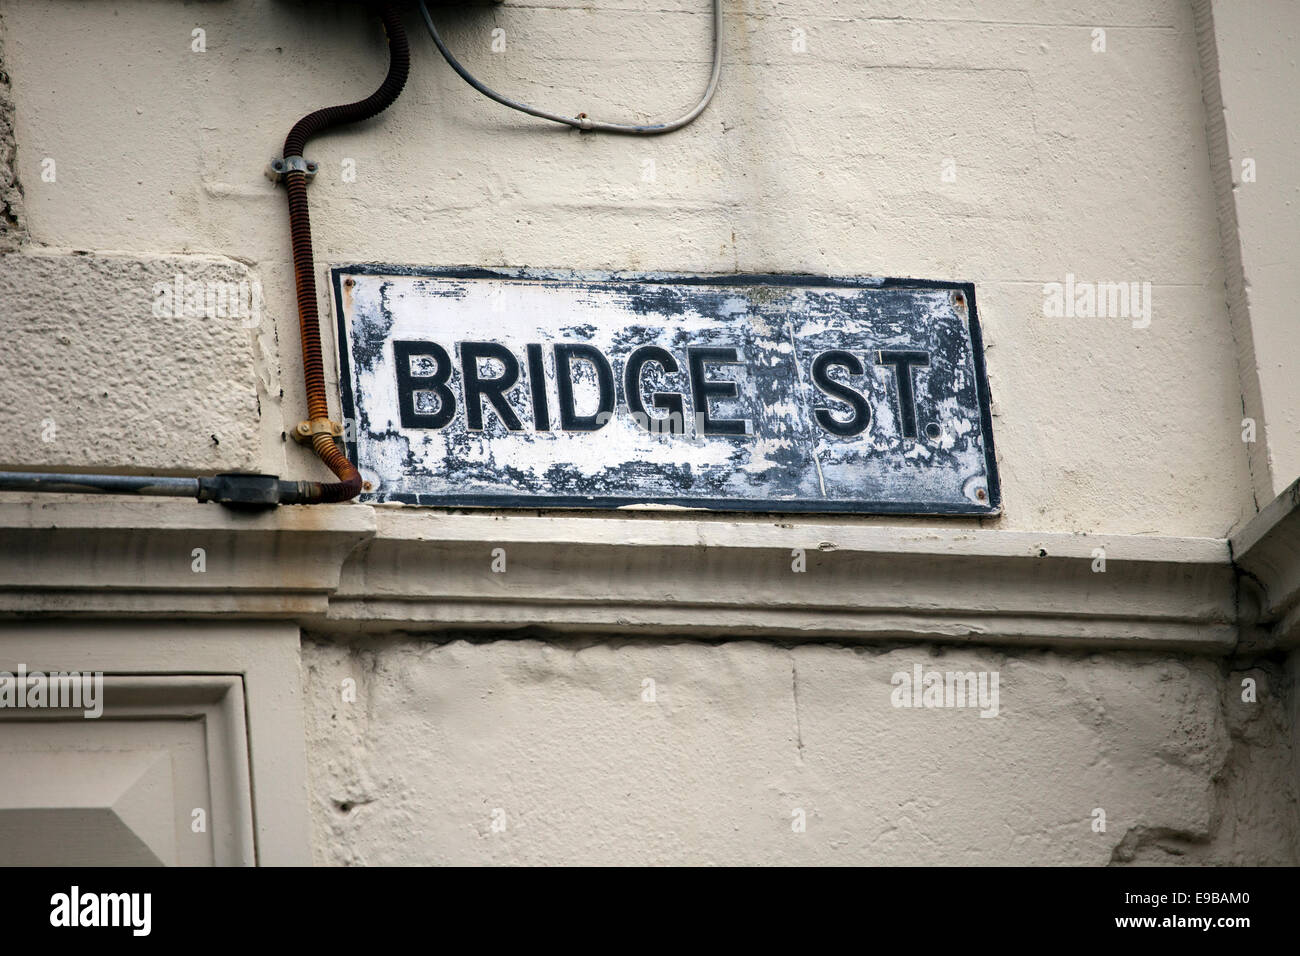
{"x":99,"y":484}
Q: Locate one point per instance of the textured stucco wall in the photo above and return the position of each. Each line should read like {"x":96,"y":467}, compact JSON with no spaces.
{"x":101,"y":371}
{"x":824,"y":151}
{"x":558,"y":742}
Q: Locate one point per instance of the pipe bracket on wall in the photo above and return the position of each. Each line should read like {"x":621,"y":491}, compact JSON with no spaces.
{"x":307,"y":431}
{"x":279,"y":168}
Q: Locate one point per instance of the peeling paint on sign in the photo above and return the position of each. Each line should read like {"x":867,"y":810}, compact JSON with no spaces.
{"x":504,"y":388}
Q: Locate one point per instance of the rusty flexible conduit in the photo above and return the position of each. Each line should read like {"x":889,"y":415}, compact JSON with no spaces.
{"x":304,"y":267}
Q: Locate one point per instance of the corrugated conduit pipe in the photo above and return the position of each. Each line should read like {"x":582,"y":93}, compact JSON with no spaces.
{"x":321,"y":431}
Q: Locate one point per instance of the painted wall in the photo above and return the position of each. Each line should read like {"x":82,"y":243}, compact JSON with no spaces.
{"x":638,"y":753}
{"x":825,"y":151}
{"x":1011,"y":143}
{"x":1256,"y":145}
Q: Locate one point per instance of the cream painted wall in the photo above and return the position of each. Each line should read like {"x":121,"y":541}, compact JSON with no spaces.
{"x":828,"y":160}
{"x":558,"y":745}
{"x":1261,"y":114}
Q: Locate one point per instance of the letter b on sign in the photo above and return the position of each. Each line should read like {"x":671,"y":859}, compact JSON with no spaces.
{"x":422,"y":372}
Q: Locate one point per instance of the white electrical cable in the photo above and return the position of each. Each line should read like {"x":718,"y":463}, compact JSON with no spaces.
{"x":581,"y":121}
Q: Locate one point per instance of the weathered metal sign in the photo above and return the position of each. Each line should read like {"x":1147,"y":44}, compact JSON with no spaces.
{"x":756,"y":393}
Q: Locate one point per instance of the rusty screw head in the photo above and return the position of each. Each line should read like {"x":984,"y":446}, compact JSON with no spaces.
{"x":981,"y":494}
{"x":367,"y":486}
{"x":349,"y":282}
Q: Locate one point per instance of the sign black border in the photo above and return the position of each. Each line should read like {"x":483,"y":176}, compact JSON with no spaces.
{"x":713,"y":505}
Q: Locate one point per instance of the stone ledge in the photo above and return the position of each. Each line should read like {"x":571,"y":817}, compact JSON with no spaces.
{"x":360,"y":568}
{"x":117,"y":557}
{"x":356,"y":567}
{"x":1267,"y":551}
{"x":427,"y":570}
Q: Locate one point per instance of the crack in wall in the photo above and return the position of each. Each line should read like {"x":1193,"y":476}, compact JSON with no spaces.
{"x":794,"y":690}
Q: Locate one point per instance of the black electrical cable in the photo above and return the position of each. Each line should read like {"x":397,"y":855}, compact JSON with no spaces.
{"x":582,"y":121}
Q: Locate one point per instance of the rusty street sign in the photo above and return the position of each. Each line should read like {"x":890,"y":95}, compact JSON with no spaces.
{"x":502,"y":388}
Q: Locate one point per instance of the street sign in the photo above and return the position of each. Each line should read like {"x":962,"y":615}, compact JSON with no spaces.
{"x":509,"y":388}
